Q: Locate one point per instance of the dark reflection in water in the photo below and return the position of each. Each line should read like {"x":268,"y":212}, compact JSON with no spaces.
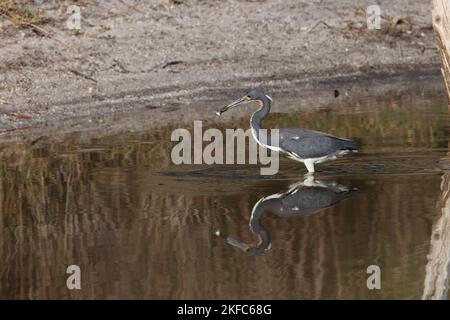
{"x":140,"y":227}
{"x":302,"y":198}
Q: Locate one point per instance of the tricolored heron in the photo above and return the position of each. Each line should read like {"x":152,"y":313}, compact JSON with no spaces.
{"x":307,"y":146}
{"x":302,"y":198}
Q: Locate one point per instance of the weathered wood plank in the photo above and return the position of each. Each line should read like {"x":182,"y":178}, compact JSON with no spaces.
{"x":441,"y":24}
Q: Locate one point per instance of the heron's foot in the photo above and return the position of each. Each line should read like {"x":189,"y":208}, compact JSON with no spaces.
{"x":309,"y":174}
{"x":309,"y":180}
{"x":309,"y":164}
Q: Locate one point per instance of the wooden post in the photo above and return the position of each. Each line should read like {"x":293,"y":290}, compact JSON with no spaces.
{"x":437,"y":272}
{"x":441,"y":23}
{"x":437,"y":276}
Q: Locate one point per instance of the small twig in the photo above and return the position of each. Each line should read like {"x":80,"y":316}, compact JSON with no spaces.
{"x":401,"y":50}
{"x":164,"y":65}
{"x":4,"y":101}
{"x":120,"y":65}
{"x":36,"y":140}
{"x":171,"y":63}
{"x":320,"y":22}
{"x":37,"y":29}
{"x":78,"y":73}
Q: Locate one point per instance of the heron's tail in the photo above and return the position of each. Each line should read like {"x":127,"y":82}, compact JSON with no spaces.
{"x":349,"y":145}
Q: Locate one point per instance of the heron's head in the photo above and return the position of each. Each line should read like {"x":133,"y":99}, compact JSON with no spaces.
{"x":252,"y":95}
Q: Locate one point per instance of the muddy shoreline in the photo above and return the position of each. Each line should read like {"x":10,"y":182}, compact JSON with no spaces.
{"x":158,"y":59}
{"x":118,"y":116}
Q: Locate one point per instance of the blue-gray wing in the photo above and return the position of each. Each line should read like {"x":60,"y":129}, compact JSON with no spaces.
{"x":312,"y":144}
{"x":307,"y":200}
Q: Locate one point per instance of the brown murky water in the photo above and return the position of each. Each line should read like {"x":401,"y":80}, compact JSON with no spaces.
{"x":141,"y":227}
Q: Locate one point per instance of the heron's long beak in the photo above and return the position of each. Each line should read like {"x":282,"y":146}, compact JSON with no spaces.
{"x":233,"y":105}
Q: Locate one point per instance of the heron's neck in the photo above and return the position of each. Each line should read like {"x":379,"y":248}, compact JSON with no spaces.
{"x":258,"y":116}
{"x":259,"y":209}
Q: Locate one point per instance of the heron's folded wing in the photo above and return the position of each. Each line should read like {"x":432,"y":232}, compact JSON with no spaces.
{"x":312,"y":147}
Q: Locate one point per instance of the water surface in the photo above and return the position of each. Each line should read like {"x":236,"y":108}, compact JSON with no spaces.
{"x":140,"y":227}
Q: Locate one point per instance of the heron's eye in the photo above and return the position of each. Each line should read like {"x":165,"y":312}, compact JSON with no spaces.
{"x":248,"y":97}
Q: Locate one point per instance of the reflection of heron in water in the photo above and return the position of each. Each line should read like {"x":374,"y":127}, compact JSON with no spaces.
{"x":302,"y":198}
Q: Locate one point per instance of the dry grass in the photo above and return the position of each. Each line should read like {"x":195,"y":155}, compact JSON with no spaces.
{"x":22,"y":16}
{"x":26,"y":14}
{"x":20,"y":13}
